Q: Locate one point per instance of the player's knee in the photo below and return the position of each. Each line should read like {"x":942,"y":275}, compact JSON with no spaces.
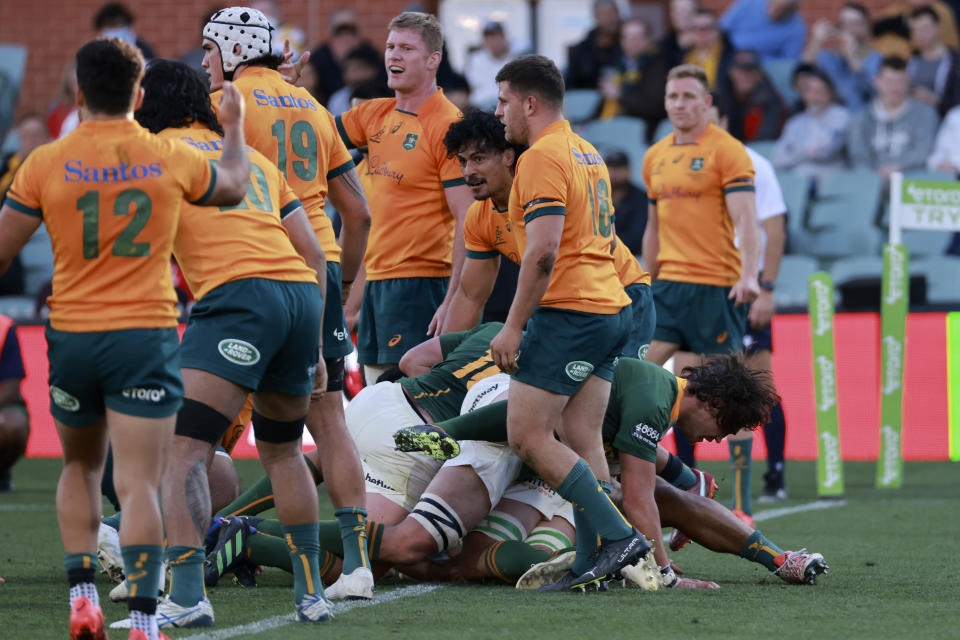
{"x":439,"y":520}
{"x":199,"y":421}
{"x":276,"y":432}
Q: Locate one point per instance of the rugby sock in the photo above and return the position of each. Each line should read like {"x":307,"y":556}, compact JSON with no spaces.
{"x":112,"y":521}
{"x":742,"y":464}
{"x":302,"y":542}
{"x":143,"y":563}
{"x":487,"y":423}
{"x":186,"y":574}
{"x":774,"y":434}
{"x":593,"y":508}
{"x":259,"y":497}
{"x":510,"y":559}
{"x":353,"y":533}
{"x":268,"y":550}
{"x":760,"y":550}
{"x":550,"y":539}
{"x":329,"y":536}
{"x":684,"y":449}
{"x":81,"y":569}
{"x":678,"y":474}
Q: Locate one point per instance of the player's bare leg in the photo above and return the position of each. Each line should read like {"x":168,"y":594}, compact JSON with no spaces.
{"x":660,"y":351}
{"x":339,"y":463}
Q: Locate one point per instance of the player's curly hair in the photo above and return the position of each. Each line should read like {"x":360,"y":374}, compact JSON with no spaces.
{"x":741,"y":397}
{"x":108,"y":70}
{"x":175,"y":96}
{"x":482,"y":128}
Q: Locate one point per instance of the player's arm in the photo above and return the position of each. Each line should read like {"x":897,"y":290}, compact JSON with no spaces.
{"x":459,"y":200}
{"x":536,"y":267}
{"x":418,"y":360}
{"x":763,"y":308}
{"x":233,"y":167}
{"x":476,"y":284}
{"x":346,"y":194}
{"x":304,"y":241}
{"x":16,"y":227}
{"x":742,"y":206}
{"x":638,"y":479}
{"x":650,"y":245}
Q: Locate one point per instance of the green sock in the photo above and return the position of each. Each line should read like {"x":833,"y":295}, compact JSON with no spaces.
{"x":304,"y":551}
{"x":269,"y":550}
{"x":742,"y":463}
{"x":593,"y":509}
{"x":488,"y":423}
{"x":678,"y":474}
{"x":113,"y":521}
{"x":259,"y":497}
{"x":329,"y":536}
{"x":759,"y":549}
{"x":510,"y":559}
{"x":353,"y":533}
{"x":186,"y":574}
{"x":143,"y":564}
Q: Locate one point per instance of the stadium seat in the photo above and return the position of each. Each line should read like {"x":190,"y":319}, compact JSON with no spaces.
{"x":850,"y":199}
{"x":840,"y":242}
{"x":926,"y":174}
{"x":13,"y":58}
{"x":635,"y":152}
{"x":796,"y":195}
{"x":663,"y":129}
{"x":856,"y":267}
{"x":37,"y":258}
{"x":764,"y":147}
{"x":942,"y":274}
{"x":780,"y":73}
{"x":926,"y":243}
{"x":622,"y":131}
{"x":17,"y":307}
{"x":580,"y":104}
{"x":792,"y":281}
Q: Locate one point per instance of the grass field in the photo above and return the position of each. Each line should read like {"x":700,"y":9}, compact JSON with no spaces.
{"x":892,"y":575}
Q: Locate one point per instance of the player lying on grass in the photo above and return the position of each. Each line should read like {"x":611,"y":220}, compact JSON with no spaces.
{"x":709,"y":401}
{"x":429,"y":512}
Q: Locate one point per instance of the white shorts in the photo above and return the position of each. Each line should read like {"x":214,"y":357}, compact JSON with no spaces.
{"x":372,"y":417}
{"x":542,"y":497}
{"x":496,"y":465}
{"x":485,"y":392}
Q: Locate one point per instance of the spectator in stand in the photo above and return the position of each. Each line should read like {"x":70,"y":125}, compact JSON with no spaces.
{"x":813,"y":140}
{"x":323,"y":76}
{"x":772,"y":28}
{"x":282,"y":31}
{"x":64,"y":105}
{"x":892,"y":34}
{"x":32,"y":132}
{"x":114,"y":20}
{"x":710,"y":49}
{"x":845,"y":54}
{"x":895,"y":132}
{"x":14,"y":419}
{"x":600,"y":50}
{"x":629,"y":201}
{"x":680,"y":36}
{"x":484,"y":63}
{"x":636,"y":88}
{"x":360,"y":67}
{"x":946,"y":147}
{"x":755,"y":109}
{"x":934,"y":69}
{"x":194,"y":57}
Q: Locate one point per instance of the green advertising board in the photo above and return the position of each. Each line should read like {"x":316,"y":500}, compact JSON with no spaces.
{"x":829,"y":462}
{"x":893,"y":323}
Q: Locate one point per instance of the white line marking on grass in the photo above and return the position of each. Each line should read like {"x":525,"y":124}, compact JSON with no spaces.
{"x":770,"y":514}
{"x":281,"y":621}
{"x":27,"y":507}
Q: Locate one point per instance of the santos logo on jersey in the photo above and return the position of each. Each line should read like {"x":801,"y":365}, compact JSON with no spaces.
{"x":289,"y":101}
{"x":74,"y":171}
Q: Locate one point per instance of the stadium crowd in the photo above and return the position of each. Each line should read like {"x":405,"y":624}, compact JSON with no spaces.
{"x":864,"y":94}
